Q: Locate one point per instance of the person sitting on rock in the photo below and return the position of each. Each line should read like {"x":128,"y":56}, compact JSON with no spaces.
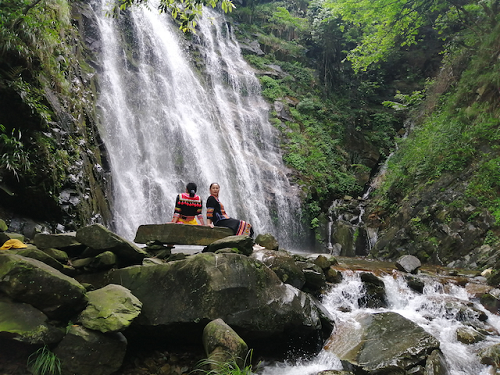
{"x":217,"y":216}
{"x":188,"y":207}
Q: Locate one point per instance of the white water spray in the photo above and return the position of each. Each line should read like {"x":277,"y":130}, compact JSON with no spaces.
{"x":426,"y":309}
{"x":166,"y":124}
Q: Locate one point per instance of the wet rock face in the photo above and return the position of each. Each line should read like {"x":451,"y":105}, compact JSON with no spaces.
{"x":439,"y":224}
{"x":381,"y":343}
{"x":246,"y":294}
{"x":31,"y":281}
{"x":84,"y":352}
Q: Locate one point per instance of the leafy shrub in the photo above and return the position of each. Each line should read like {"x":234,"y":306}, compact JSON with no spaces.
{"x":13,"y":156}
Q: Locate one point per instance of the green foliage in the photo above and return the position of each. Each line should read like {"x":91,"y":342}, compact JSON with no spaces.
{"x":44,"y":362}
{"x":384,"y":25}
{"x":461,"y":134}
{"x":231,"y":367}
{"x":186,"y":11}
{"x":271,"y":88}
{"x":13,"y":155}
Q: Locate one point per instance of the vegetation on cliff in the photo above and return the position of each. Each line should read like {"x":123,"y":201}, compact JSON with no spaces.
{"x":343,"y":77}
{"x":46,"y":114}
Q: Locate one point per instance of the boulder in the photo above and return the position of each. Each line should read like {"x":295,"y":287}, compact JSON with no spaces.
{"x":324,"y":263}
{"x":381,"y":343}
{"x":97,"y":237}
{"x":408,"y":263}
{"x":56,"y":241}
{"x":333,"y":276}
{"x":436,"y":364}
{"x":315,"y":277}
{"x":243,"y":244}
{"x":59,"y":255}
{"x":468,"y":335}
{"x":454,"y":308}
{"x":22,"y":322}
{"x":283,"y":264}
{"x":490,"y":355}
{"x":110,"y":309}
{"x":180,"y":298}
{"x":86,"y":352}
{"x":104,"y":261}
{"x":173,"y":233}
{"x":374,"y":296}
{"x":267,"y":240}
{"x":34,"y":253}
{"x":222,"y":343}
{"x":31,"y":281}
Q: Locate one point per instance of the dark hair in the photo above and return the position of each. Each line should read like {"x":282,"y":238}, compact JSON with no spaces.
{"x":213,"y":183}
{"x":191,"y":188}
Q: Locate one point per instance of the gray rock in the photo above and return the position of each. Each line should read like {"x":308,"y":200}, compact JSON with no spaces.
{"x":323,"y":262}
{"x":223,"y":344}
{"x":268,"y":241}
{"x":86,"y":352}
{"x":408,"y":263}
{"x":57,"y":254}
{"x":151,"y":261}
{"x":22,"y":322}
{"x":315,"y":277}
{"x":104,"y":261}
{"x":375,"y":296}
{"x":333,"y":276}
{"x":468,"y":335}
{"x":31,"y":281}
{"x":283,"y":264}
{"x":243,"y":244}
{"x":178,"y":297}
{"x":98,"y":237}
{"x":56,"y":241}
{"x":436,"y":364}
{"x":490,"y":355}
{"x":381,"y":343}
{"x":34,"y":253}
{"x":251,"y":47}
{"x":172,"y":233}
{"x":110,"y":309}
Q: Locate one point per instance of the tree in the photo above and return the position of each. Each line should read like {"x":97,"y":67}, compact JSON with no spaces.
{"x":186,"y":11}
{"x":385,"y":24}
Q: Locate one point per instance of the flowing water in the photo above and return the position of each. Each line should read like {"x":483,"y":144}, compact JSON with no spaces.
{"x":426,"y":310}
{"x":165,"y":124}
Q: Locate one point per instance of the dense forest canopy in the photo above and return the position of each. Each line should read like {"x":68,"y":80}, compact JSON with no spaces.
{"x":342,"y":77}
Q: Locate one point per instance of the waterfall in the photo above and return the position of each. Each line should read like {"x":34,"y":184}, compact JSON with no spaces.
{"x":165,"y":123}
{"x":424,"y":309}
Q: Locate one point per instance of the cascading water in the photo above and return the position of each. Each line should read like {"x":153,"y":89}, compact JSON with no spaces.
{"x":165,"y":124}
{"x":426,"y":309}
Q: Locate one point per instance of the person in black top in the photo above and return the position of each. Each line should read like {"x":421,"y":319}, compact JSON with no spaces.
{"x":216,"y":215}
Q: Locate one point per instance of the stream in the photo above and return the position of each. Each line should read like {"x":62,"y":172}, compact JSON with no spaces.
{"x":425,"y":309}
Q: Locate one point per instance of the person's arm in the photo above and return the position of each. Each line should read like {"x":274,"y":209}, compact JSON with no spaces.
{"x":177,"y":211}
{"x":210,"y":211}
{"x":200,"y":219}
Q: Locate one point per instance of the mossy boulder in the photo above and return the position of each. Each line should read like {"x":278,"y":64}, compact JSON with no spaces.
{"x":31,"y":281}
{"x":179,"y":298}
{"x":223,"y":344}
{"x":22,"y":322}
{"x":110,"y":309}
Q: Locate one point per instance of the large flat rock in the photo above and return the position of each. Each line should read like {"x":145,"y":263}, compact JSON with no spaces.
{"x":181,"y":234}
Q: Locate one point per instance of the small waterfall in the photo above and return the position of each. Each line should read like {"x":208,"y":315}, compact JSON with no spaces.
{"x":166,"y":124}
{"x":426,"y":309}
